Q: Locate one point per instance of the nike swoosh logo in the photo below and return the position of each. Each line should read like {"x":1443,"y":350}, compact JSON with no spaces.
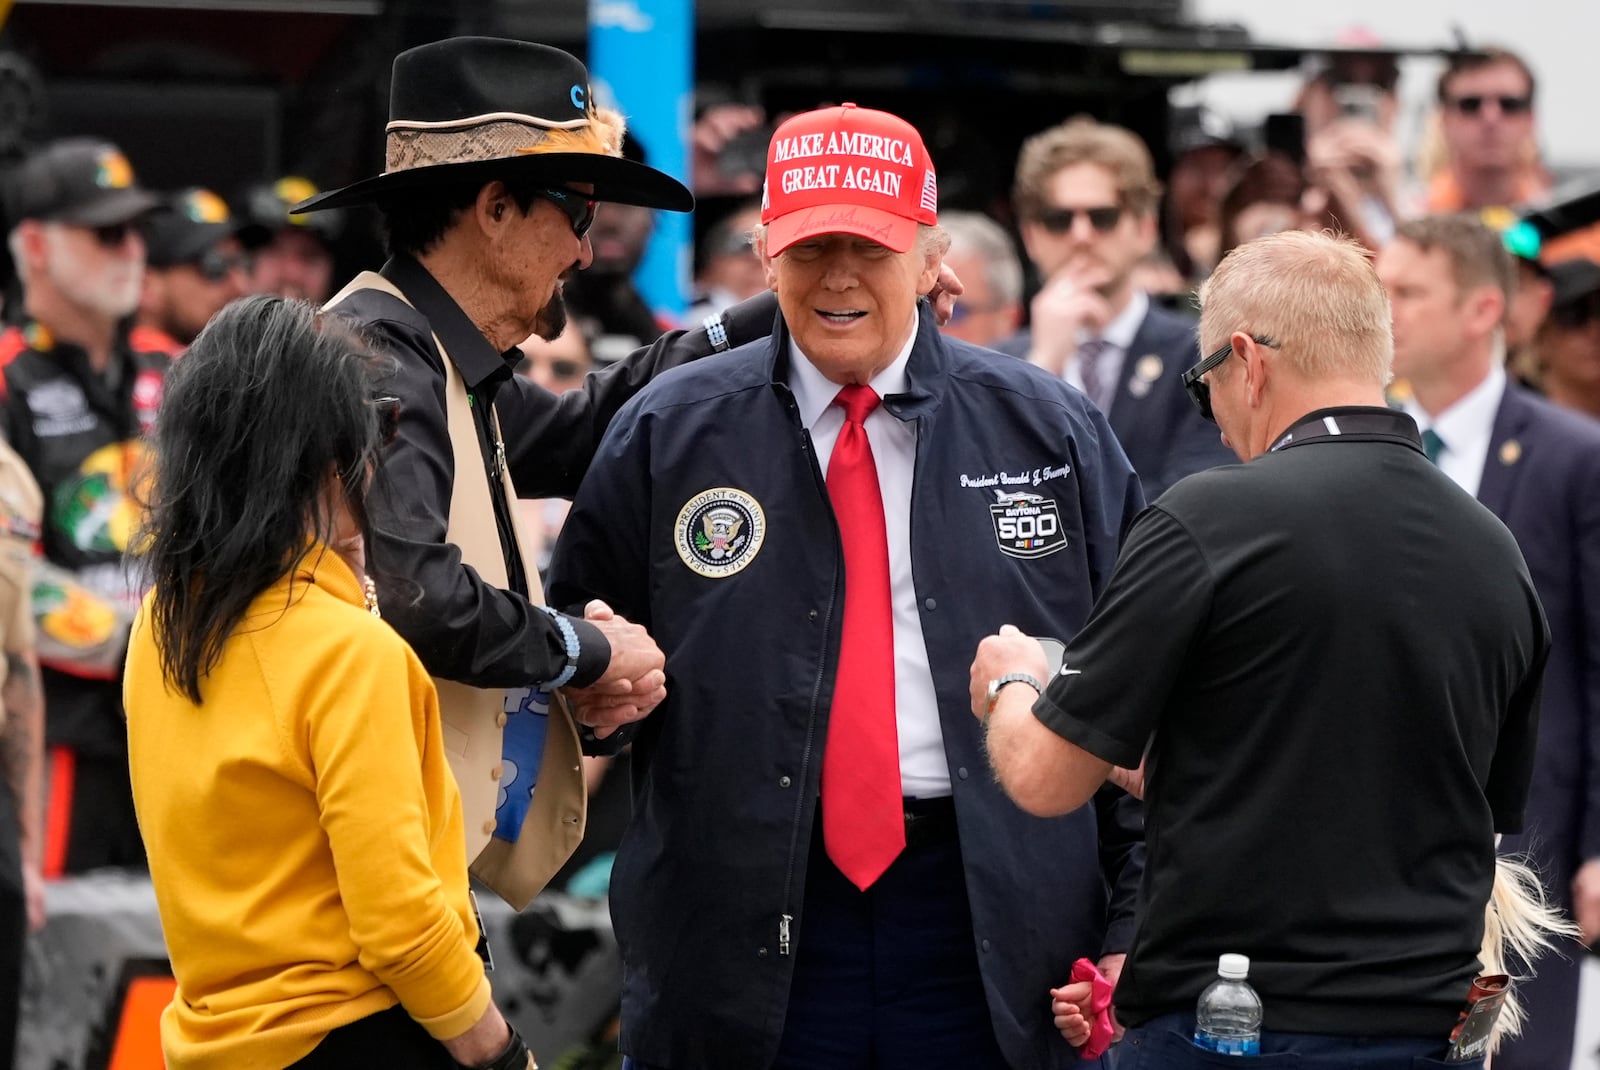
{"x":1071,"y":672}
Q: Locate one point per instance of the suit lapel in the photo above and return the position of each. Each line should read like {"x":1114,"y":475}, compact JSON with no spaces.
{"x":1135,"y":384}
{"x":1506,"y":448}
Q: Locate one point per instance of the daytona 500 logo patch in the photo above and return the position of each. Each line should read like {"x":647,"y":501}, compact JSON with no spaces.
{"x":1026,"y":525}
{"x":719,"y":531}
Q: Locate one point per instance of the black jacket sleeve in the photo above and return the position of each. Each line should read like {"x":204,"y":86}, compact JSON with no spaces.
{"x":1120,"y":819}
{"x":550,"y":439}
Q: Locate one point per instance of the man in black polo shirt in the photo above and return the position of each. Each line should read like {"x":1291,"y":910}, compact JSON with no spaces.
{"x":1329,"y":659}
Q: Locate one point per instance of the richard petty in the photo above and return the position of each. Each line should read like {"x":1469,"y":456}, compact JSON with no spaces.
{"x":705,"y":517}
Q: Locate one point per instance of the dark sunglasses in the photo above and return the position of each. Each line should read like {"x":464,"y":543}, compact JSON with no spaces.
{"x":112,"y":236}
{"x":579,"y":208}
{"x":1200,"y":391}
{"x":388,"y":407}
{"x":1472,"y":105}
{"x":1060,"y":220}
{"x":215,"y":265}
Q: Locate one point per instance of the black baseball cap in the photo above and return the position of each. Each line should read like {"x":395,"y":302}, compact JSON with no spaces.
{"x":83,"y":182}
{"x":263,"y":210}
{"x":186,"y":226}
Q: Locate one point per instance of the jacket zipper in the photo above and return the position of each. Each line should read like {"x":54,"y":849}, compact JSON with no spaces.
{"x":785,"y":919}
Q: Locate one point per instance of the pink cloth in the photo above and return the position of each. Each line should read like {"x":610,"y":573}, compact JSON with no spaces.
{"x":1099,"y":1010}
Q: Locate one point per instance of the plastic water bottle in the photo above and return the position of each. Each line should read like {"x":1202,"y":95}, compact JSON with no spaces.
{"x":1227,"y":1020}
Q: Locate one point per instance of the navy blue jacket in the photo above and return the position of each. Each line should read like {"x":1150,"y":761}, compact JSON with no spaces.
{"x":726,"y":771}
{"x":1161,"y":431}
{"x":1542,"y":479}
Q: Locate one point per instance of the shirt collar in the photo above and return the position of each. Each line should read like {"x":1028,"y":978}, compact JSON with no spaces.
{"x":478,"y":362}
{"x":1470,"y":418}
{"x":1120,"y":331}
{"x":814,"y":392}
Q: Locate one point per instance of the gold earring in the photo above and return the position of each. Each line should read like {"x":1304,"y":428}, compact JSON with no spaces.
{"x":370,"y":589}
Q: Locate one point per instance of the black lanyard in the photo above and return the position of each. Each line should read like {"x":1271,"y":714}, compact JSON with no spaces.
{"x":1351,"y":424}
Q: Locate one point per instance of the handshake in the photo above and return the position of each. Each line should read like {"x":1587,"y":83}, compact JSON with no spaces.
{"x":633,"y":684}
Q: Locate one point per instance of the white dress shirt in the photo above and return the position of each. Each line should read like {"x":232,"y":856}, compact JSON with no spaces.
{"x":1465,"y":429}
{"x":924,"y":771}
{"x":1118,"y":337}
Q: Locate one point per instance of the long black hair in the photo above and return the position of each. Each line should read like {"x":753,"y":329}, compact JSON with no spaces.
{"x":271,"y":398}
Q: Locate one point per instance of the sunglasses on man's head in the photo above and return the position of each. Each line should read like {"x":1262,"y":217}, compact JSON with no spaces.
{"x":388,"y":407}
{"x":1060,"y":220}
{"x":1200,"y":391}
{"x":580,"y":208}
{"x":1473,"y":104}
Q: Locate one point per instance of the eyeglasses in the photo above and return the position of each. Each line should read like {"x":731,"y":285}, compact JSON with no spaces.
{"x":1193,"y":379}
{"x":113,"y":236}
{"x":215,"y":265}
{"x":388,"y":407}
{"x":579,"y":208}
{"x":1060,"y":220}
{"x":1473,"y":104}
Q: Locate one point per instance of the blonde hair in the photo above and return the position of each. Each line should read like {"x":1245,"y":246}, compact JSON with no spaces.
{"x":1315,"y":295}
{"x":1083,"y":140}
{"x":1519,"y":924}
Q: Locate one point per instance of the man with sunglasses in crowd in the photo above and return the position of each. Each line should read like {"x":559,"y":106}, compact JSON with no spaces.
{"x":1536,"y":467}
{"x":1328,"y":661}
{"x":76,"y":395}
{"x":1487,"y":120}
{"x":194,"y":264}
{"x":1086,"y":195}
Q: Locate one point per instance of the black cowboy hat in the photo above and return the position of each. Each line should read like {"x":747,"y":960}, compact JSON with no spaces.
{"x":472,"y":109}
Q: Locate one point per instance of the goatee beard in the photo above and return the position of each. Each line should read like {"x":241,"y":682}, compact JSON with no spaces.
{"x":552,"y":319}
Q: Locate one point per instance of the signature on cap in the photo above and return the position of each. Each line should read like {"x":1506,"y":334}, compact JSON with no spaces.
{"x":815,"y":223}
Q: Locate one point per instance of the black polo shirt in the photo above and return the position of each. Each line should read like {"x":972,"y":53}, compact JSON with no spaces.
{"x":1333,"y":654}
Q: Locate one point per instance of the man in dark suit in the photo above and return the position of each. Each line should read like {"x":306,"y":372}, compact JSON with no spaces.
{"x":1537,"y":467}
{"x":1086,"y":197}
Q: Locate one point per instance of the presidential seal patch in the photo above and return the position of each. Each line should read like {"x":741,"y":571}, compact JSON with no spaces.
{"x":1026,"y":525}
{"x":719,"y":531}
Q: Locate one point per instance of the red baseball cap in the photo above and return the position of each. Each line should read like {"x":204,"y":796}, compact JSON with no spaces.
{"x":848,"y":170}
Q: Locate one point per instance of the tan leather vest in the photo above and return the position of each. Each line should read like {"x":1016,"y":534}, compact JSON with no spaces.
{"x":473,"y":717}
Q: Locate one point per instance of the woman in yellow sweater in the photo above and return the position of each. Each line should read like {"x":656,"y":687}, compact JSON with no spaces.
{"x":303,"y":828}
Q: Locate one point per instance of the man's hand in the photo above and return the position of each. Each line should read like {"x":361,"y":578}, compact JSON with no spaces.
{"x":1129,"y":780}
{"x":1009,"y":651}
{"x":1069,"y":303}
{"x":718,"y":125}
{"x":946,"y":288}
{"x":633,"y":684}
{"x":1586,"y":900}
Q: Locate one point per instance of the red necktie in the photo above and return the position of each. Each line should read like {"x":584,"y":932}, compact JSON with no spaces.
{"x":863,"y":818}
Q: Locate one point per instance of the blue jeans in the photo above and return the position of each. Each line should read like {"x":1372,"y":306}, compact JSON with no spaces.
{"x":1167,"y":1043}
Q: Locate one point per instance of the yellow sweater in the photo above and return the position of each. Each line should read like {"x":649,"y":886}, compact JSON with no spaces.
{"x":304,"y":831}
